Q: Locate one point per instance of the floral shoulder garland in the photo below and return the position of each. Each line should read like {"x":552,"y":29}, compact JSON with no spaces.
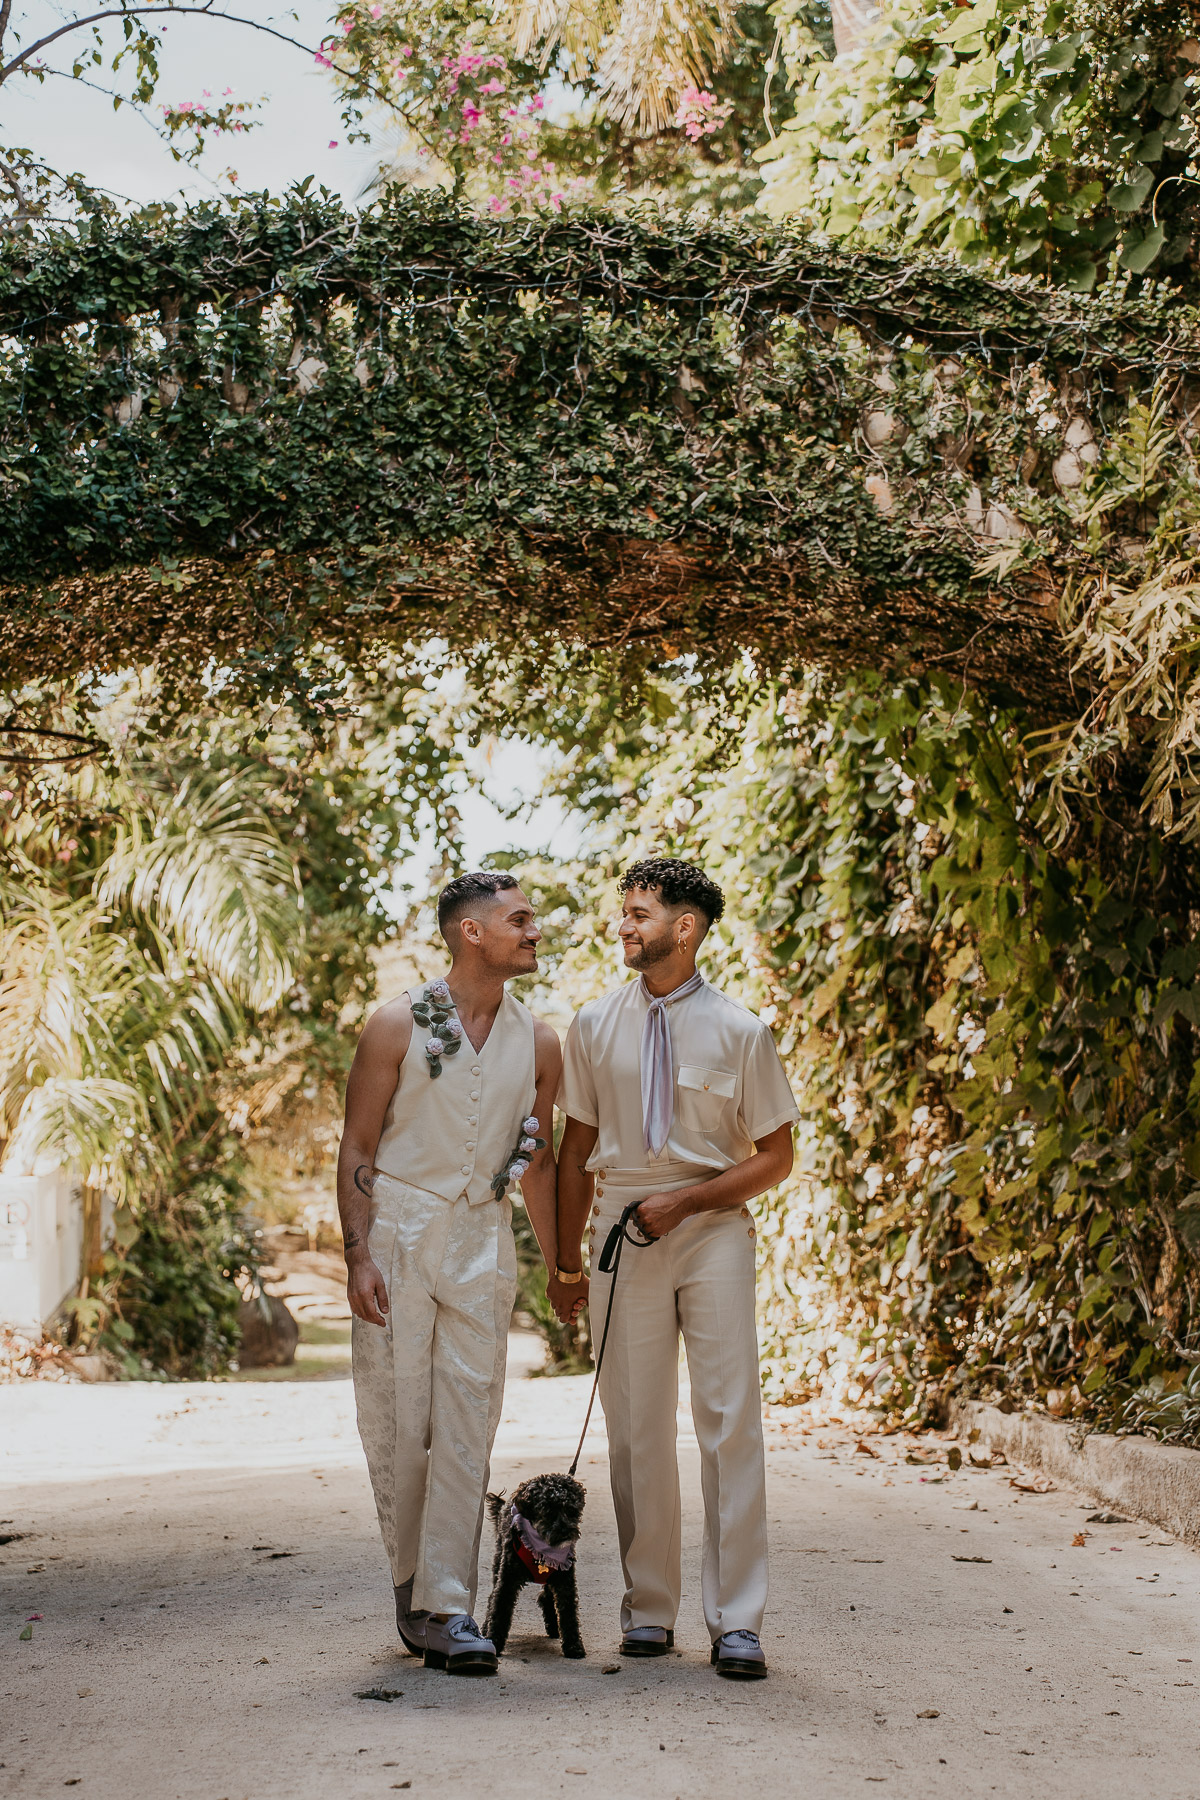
{"x":516,"y":1163}
{"x":435,"y":1009}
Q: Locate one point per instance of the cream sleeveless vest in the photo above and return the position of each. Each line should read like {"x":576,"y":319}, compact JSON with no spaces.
{"x":449,"y":1136}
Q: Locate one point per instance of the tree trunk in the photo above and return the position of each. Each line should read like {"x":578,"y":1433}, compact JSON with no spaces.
{"x":92,"y":1255}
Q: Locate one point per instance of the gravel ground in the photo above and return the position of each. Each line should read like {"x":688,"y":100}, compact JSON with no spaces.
{"x":199,"y":1553}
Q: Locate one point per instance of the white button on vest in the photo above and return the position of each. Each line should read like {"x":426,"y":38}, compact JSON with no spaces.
{"x":466,"y":1168}
{"x":474,"y":1093}
{"x":477,"y":1070}
{"x":474,"y":1119}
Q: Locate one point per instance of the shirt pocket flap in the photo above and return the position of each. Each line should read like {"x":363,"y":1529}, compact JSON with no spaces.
{"x":708,"y":1081}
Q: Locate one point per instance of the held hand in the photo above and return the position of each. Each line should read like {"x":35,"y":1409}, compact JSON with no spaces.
{"x":366,"y":1292}
{"x":660,"y":1213}
{"x":568,"y":1301}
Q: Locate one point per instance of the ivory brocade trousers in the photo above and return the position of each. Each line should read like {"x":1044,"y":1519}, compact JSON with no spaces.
{"x":429,"y":1386}
{"x":699,"y":1281}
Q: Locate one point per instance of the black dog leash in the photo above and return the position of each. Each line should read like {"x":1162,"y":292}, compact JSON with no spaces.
{"x":610,"y":1263}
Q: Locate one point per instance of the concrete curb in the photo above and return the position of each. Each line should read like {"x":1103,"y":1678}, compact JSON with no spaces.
{"x":1156,"y":1482}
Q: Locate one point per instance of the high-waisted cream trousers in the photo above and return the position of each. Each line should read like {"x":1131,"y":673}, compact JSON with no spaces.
{"x":429,"y":1387}
{"x":698,"y":1280}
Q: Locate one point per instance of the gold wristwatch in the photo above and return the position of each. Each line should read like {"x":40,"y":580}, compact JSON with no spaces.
{"x":568,"y":1277}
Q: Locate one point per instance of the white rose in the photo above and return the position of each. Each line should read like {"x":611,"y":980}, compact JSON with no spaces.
{"x":434,"y":1047}
{"x":527,"y":1146}
{"x":517,"y":1169}
{"x":452,"y":1028}
{"x":529,"y":1125}
{"x":438,"y":990}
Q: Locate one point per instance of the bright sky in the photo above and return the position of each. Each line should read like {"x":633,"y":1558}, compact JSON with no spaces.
{"x":76,"y":129}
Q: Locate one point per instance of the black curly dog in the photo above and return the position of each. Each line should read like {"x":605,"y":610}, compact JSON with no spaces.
{"x":553,"y":1505}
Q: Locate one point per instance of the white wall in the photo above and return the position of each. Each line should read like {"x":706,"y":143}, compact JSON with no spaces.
{"x":41,"y":1240}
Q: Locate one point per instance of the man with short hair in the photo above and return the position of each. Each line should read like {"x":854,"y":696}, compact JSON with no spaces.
{"x":676,"y":1101}
{"x":450,"y":1099}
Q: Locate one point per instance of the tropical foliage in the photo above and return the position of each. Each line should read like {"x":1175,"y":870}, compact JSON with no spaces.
{"x":989,"y":1016}
{"x":186,"y":929}
{"x":1058,"y":137}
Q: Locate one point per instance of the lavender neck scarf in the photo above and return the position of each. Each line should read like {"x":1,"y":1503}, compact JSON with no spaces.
{"x":658,"y":1072}
{"x":547,"y":1556}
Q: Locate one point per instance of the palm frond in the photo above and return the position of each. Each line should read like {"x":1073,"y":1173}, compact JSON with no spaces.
{"x":642,"y":53}
{"x":86,"y":1123}
{"x":203,"y":863}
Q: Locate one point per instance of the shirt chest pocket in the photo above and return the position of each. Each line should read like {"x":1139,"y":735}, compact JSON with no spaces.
{"x":702,"y":1096}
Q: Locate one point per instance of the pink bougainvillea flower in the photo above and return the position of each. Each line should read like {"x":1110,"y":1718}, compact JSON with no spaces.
{"x":323,"y":60}
{"x":494,"y":86}
{"x":377,"y":12}
{"x":333,"y":143}
{"x":537,"y":103}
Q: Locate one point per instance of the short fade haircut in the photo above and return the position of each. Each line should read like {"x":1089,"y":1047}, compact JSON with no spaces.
{"x":679,"y":883}
{"x":459,"y":896}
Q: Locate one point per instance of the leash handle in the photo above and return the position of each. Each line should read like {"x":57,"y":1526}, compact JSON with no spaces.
{"x":609,"y":1264}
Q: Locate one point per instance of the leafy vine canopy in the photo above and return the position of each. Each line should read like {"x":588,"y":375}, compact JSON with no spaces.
{"x":237,"y":432}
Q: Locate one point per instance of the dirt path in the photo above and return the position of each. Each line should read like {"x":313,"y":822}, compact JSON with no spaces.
{"x":200,"y":1555}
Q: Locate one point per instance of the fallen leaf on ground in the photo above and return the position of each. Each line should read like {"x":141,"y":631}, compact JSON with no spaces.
{"x":954,"y":1457}
{"x":922,"y":1456}
{"x":26,"y":1634}
{"x":83,"y":1693}
{"x":401,"y":1784}
{"x":36,"y":1569}
{"x":611,"y":1669}
{"x":261,"y":1660}
{"x":931,"y":1712}
{"x":862,"y":1448}
{"x":378,"y":1694}
{"x":574,"y":1771}
{"x":1079,"y":1540}
{"x":1103,"y":1518}
{"x":1032,"y":1483}
{"x":32,"y":1618}
{"x":982,"y":1559}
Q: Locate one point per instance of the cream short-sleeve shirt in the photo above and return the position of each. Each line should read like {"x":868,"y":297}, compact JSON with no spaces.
{"x":730,"y":1086}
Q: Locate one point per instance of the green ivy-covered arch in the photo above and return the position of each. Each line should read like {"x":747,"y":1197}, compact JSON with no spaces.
{"x":234,"y":431}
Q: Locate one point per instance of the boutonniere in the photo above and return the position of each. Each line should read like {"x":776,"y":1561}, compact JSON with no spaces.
{"x":516,"y":1163}
{"x":435,"y":1010}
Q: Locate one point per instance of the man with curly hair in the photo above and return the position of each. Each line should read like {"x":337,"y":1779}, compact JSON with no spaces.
{"x":676,"y":1100}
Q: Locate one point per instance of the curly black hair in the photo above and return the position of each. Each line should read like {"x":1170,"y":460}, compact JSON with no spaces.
{"x":679,"y":883}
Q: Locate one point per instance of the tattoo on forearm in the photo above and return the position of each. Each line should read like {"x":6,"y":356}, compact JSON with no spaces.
{"x":364,"y":1179}
{"x":351,"y":1240}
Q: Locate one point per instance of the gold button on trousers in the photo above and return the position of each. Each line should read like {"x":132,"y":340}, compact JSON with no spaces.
{"x":698,"y":1280}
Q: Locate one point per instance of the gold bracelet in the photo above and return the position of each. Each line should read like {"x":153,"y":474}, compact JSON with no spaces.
{"x":568,"y":1277}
